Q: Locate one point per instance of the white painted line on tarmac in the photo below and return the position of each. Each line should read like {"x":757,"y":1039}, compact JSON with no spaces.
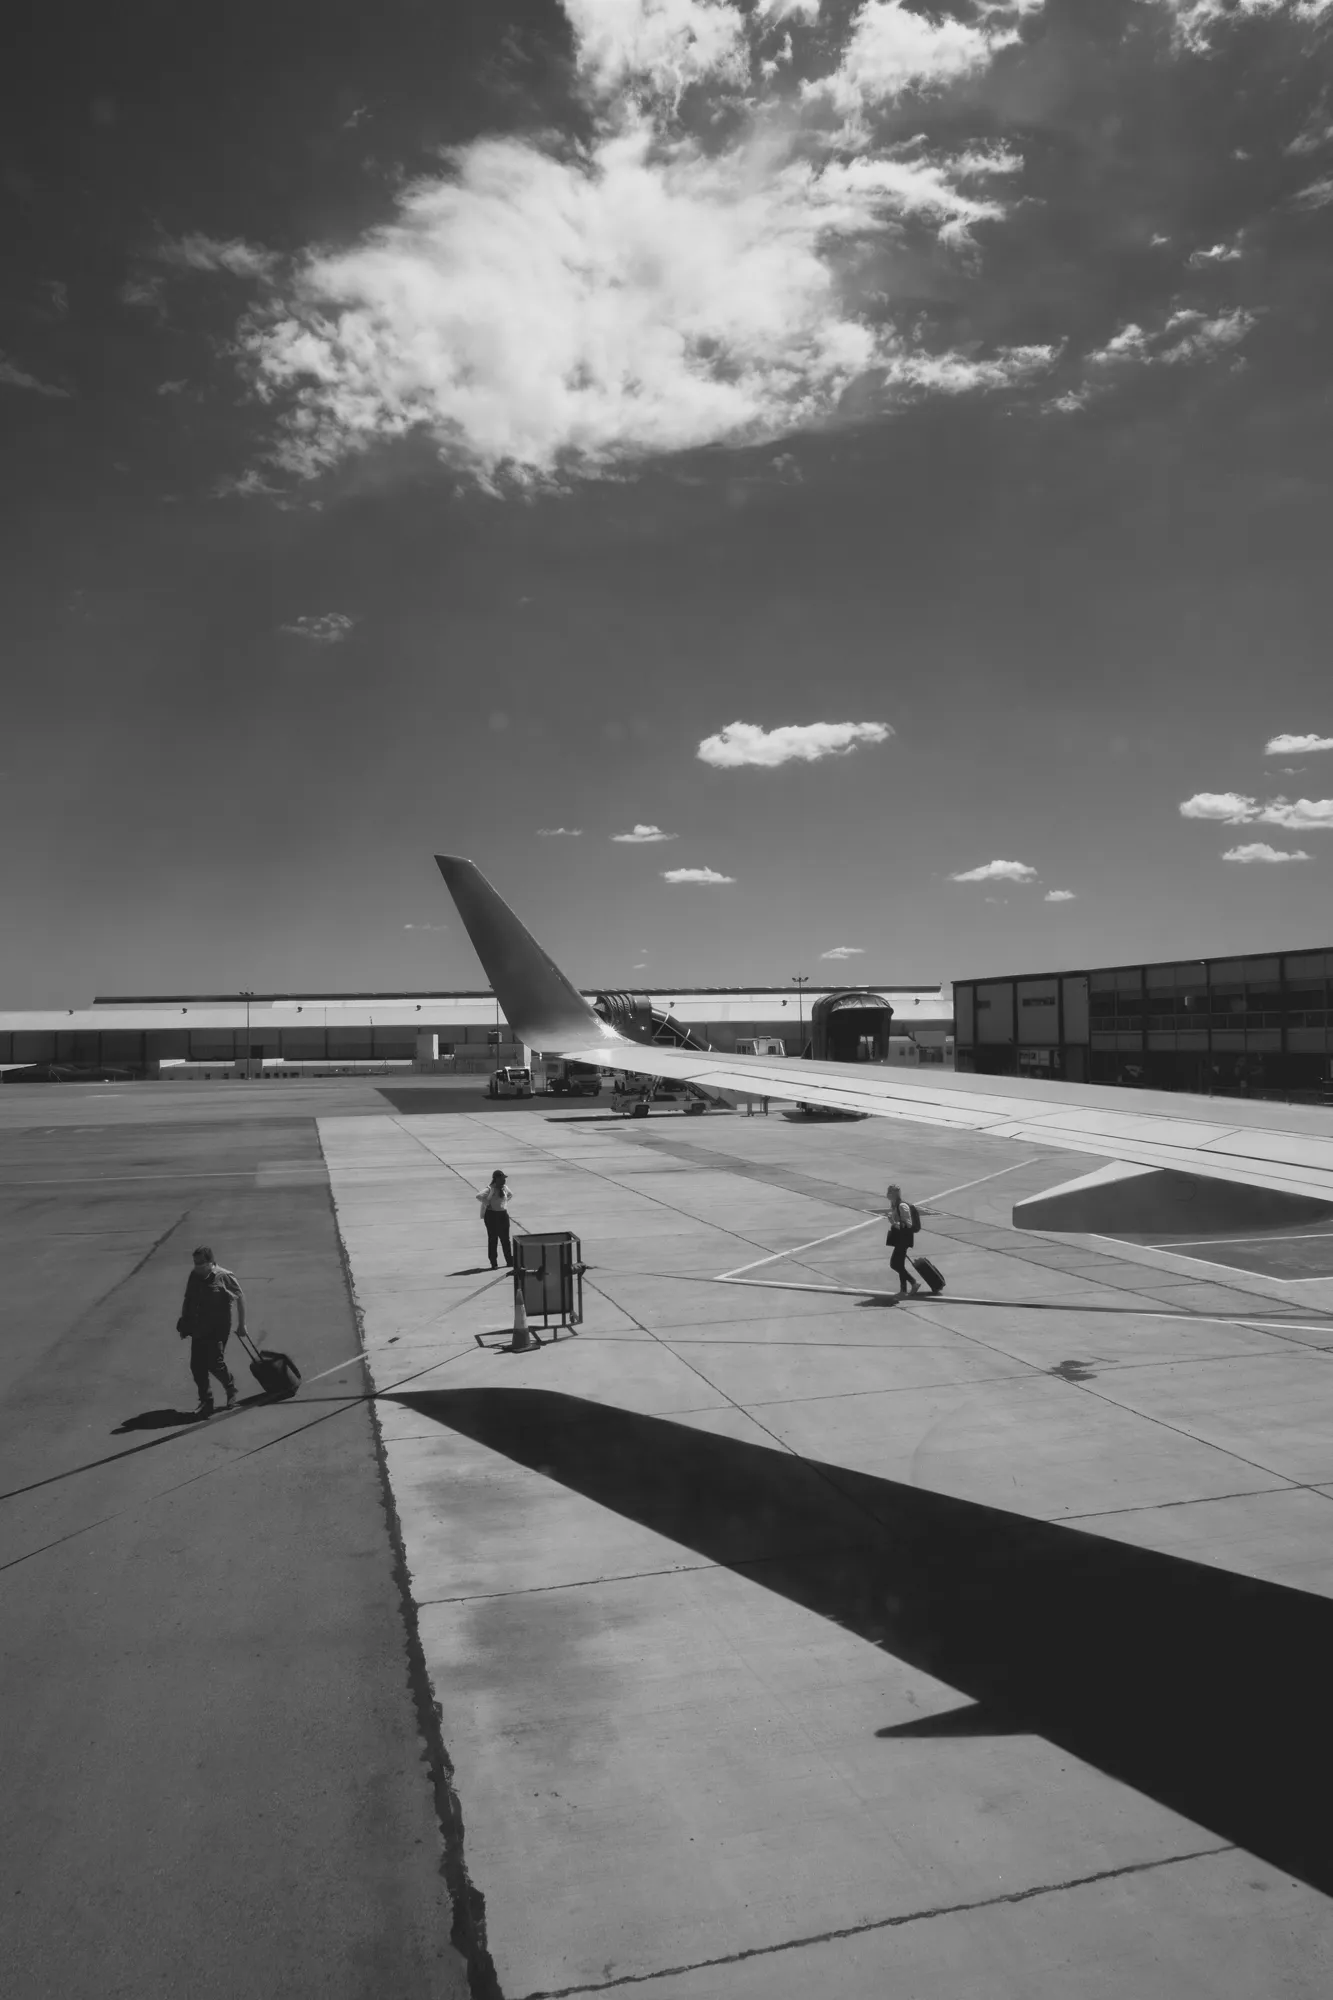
{"x":725,"y":1276}
{"x":876,"y":1217}
{"x":944,"y":1194}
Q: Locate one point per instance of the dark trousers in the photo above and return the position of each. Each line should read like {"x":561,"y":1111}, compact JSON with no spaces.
{"x":898,"y":1261}
{"x":206,"y":1358}
{"x":497,"y":1231}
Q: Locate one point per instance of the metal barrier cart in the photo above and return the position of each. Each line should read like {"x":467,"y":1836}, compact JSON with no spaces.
{"x":548,"y":1277}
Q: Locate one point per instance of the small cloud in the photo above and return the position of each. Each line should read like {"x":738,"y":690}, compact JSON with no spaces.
{"x":14,"y":377}
{"x":643,"y":836}
{"x":694,"y":875}
{"x":1259,"y":850}
{"x":746,"y":743}
{"x":207,"y":253}
{"x":642,"y":966}
{"x":785,"y":469}
{"x":143,"y":290}
{"x":1300,"y":815}
{"x":1318,"y":195}
{"x":845,"y":951}
{"x":1296,"y":746}
{"x":170,"y":388}
{"x":329,"y":628}
{"x":560,"y":832}
{"x":425,"y":927}
{"x":1309,"y":141}
{"x":497,"y":720}
{"x":57,"y":294}
{"x":997,"y":871}
{"x":1234,"y":808}
{"x":1221,"y":253}
{"x":1059,"y":896}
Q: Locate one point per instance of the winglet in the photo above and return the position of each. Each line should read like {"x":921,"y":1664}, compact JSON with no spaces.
{"x":539,"y":1003}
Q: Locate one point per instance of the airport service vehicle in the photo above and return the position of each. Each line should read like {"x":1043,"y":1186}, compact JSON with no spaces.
{"x":510,"y":1082}
{"x":572,"y":1079}
{"x":635,"y":1097}
{"x":1285,"y":1150}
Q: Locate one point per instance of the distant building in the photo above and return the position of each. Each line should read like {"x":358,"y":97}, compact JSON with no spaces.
{"x":310,"y":1033}
{"x":1254,"y":1026}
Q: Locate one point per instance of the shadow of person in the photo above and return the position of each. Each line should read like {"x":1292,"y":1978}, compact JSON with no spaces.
{"x":1204,"y":1690}
{"x":157,"y":1420}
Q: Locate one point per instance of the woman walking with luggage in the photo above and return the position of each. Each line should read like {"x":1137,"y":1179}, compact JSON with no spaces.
{"x":904,"y":1221}
{"x":494,"y":1204}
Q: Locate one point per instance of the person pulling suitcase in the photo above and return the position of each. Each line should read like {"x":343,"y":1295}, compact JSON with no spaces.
{"x":904,"y":1223}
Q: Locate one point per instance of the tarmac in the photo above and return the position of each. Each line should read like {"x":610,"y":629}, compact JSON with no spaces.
{"x":765,"y":1637}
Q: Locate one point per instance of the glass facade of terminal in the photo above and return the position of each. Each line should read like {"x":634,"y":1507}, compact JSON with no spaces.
{"x":1255,"y":1026}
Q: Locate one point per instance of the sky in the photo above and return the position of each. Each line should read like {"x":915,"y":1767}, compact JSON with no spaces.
{"x":833,"y":489}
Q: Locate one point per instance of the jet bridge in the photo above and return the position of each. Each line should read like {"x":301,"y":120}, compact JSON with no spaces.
{"x":851,"y":1027}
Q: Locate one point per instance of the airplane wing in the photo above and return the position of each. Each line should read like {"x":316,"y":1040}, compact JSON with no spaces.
{"x":1284,"y":1148}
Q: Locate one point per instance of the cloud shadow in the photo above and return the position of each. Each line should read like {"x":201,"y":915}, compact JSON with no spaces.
{"x":1205,"y":1691}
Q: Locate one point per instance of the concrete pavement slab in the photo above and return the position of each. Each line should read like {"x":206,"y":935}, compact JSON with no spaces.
{"x":662,"y":1686}
{"x":1211,"y":1927}
{"x":1284,"y":1535}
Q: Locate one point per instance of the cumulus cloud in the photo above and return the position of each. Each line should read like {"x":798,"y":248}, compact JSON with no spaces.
{"x":327,"y":628}
{"x":642,"y":836}
{"x":14,"y":377}
{"x":845,"y":951}
{"x":1235,"y":808}
{"x":694,"y":875}
{"x":1318,"y":195}
{"x":557,"y":832}
{"x":1238,"y":809}
{"x":1300,"y":815}
{"x":1221,"y":253}
{"x":541,"y":309}
{"x":892,"y":50}
{"x":747,"y":743}
{"x":1296,"y":746}
{"x":1059,"y":896}
{"x":1259,"y":850}
{"x":997,"y":871}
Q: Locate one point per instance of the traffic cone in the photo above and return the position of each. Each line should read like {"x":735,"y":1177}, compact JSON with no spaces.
{"x":523,"y":1339}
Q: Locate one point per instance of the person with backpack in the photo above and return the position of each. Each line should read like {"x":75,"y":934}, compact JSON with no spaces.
{"x":904,"y":1222}
{"x":494,"y":1204}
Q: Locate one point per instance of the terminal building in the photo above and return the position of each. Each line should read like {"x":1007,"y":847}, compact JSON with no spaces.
{"x":1256,"y":1026}
{"x":184,"y":1036}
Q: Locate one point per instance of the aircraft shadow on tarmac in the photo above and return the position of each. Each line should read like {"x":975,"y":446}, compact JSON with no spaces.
{"x":1203,"y":1690}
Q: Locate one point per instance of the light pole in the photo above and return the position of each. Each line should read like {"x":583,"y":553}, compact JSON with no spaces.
{"x":800,"y":980}
{"x":247,"y":997}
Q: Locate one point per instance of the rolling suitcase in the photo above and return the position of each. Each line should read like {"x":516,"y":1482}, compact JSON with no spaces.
{"x":276,"y":1374}
{"x":931,"y":1273}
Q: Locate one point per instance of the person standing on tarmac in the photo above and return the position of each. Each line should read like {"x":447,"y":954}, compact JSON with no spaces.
{"x":494,"y":1204}
{"x":205,"y":1322}
{"x":903,"y":1224}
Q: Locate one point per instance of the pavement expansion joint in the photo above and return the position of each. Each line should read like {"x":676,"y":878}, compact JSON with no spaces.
{"x":897,"y":1922}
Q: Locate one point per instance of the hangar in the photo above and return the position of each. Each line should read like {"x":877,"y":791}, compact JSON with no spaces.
{"x":1256,"y":1026}
{"x":182,"y":1036}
